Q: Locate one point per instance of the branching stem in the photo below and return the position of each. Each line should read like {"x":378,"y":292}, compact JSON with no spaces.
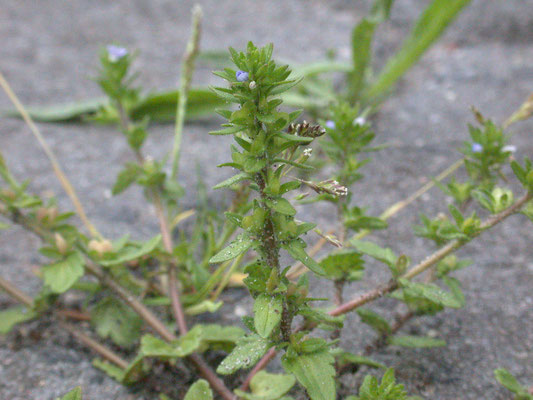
{"x":393,"y":285}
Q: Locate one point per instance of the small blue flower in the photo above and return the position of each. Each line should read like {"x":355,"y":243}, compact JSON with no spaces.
{"x":330,"y":124}
{"x":241,"y":76}
{"x":477,"y":148}
{"x":115,"y":53}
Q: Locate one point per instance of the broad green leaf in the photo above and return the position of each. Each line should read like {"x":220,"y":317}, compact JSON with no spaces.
{"x":215,"y":336}
{"x":267,"y":313}
{"x":415,"y":341}
{"x":13,"y":316}
{"x":508,"y":381}
{"x":315,"y":372}
{"x":125,"y":178}
{"x":455,"y":288}
{"x":431,"y":24}
{"x":74,"y":394}
{"x":155,"y":347}
{"x":246,"y":354}
{"x":283,"y":206}
{"x":384,"y":255}
{"x":266,"y":386}
{"x":431,"y":292}
{"x":345,"y":264}
{"x":374,"y":320}
{"x":59,"y":277}
{"x":132,"y":252}
{"x":3,"y":225}
{"x":242,"y":243}
{"x":232,"y":180}
{"x":200,"y":390}
{"x":112,"y":319}
{"x":296,"y":249}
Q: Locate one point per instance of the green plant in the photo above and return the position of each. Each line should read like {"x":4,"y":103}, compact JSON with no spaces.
{"x":141,"y":295}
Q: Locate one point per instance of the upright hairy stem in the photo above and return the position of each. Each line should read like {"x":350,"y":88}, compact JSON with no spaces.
{"x":270,"y":249}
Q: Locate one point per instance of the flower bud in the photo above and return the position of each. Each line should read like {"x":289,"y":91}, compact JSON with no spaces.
{"x":241,"y":76}
{"x":61,"y":243}
{"x":52,"y":213}
{"x":100,"y":246}
{"x":252,"y":85}
{"x":115,"y":53}
{"x":477,"y":148}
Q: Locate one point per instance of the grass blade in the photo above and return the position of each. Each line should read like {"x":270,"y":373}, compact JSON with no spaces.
{"x":428,"y":28}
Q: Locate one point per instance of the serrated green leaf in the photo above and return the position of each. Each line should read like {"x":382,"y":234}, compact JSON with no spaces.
{"x":13,"y":316}
{"x":266,"y":386}
{"x":113,"y":319}
{"x":374,"y":320}
{"x":315,"y":372}
{"x":345,"y":264}
{"x":246,"y":354}
{"x":60,"y":276}
{"x":415,"y":341}
{"x":74,"y":394}
{"x":200,"y":390}
{"x":267,"y":313}
{"x":215,"y":336}
{"x":430,"y":292}
{"x":232,"y":180}
{"x":242,"y":243}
